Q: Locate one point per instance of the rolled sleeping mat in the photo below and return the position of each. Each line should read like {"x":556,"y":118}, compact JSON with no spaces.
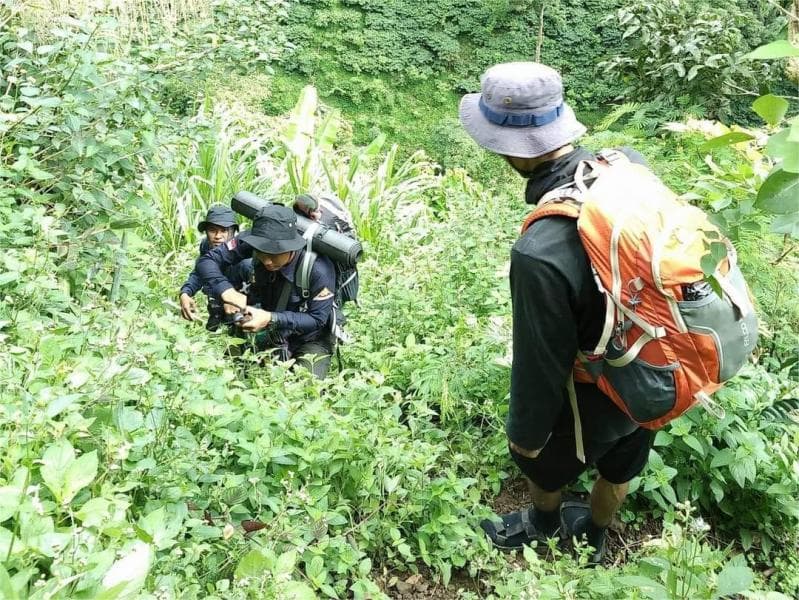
{"x":338,"y":247}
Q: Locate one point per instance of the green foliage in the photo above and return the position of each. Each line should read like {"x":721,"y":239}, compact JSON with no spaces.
{"x":685,"y":54}
{"x":194,"y":174}
{"x":449,"y":40}
{"x":138,"y":462}
{"x":739,"y":464}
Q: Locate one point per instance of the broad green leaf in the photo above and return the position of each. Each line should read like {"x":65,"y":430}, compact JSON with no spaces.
{"x":161,"y":527}
{"x":746,"y":539}
{"x":126,"y":576}
{"x":253,"y":564}
{"x":771,"y":108}
{"x":58,"y":405}
{"x":300,"y":129}
{"x":296,"y":590}
{"x":778,"y":49}
{"x":694,"y":444}
{"x":733,"y":580}
{"x":779,"y":194}
{"x":786,"y":224}
{"x":285,"y":562}
{"x":733,"y":137}
{"x":662,"y":438}
{"x":79,"y":474}
{"x":649,"y":587}
{"x":315,"y":569}
{"x":723,"y":458}
{"x":51,"y":102}
{"x":10,"y":498}
{"x":126,"y":223}
{"x":55,"y":462}
{"x":94,"y":512}
{"x":7,"y":590}
{"x":784,"y":146}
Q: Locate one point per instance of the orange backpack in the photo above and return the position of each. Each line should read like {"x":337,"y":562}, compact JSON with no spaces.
{"x":669,"y":340}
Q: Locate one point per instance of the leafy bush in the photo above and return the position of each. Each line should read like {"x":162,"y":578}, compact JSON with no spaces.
{"x":684,"y":54}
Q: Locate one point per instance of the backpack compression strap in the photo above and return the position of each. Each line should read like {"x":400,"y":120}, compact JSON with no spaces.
{"x":306,"y":266}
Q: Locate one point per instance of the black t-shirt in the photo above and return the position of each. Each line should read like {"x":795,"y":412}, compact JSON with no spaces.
{"x":557,"y":309}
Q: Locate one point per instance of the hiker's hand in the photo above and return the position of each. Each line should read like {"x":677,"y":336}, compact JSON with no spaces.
{"x":257,"y":319}
{"x":524,"y":452}
{"x":188,"y":307}
{"x":233,"y":301}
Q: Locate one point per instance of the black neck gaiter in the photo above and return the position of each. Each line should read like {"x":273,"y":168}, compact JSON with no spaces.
{"x":553,"y":173}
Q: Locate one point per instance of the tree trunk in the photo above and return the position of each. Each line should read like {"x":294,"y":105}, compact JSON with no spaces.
{"x":792,"y":70}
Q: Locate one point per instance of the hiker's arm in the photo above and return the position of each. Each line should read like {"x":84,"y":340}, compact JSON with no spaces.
{"x":211,"y":268}
{"x":192,"y":285}
{"x":544,"y":348}
{"x":323,"y":285}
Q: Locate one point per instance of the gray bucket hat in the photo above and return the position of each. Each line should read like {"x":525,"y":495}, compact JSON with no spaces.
{"x":520,"y":111}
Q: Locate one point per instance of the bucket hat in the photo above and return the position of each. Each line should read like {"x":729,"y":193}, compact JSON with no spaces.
{"x":220,"y":215}
{"x":274,"y":230}
{"x":520,"y":111}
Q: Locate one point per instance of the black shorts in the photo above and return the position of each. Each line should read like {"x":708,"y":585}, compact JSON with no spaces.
{"x":557,"y":465}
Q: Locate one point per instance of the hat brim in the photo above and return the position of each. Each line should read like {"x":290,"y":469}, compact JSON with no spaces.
{"x":203,"y":225}
{"x":271,"y":246}
{"x":521,"y":142}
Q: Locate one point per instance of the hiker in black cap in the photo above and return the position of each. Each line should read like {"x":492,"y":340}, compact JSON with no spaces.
{"x":293,"y":321}
{"x":219,"y":226}
{"x":557,"y":310}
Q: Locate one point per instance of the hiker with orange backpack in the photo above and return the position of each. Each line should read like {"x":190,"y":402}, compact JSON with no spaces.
{"x":615,"y":329}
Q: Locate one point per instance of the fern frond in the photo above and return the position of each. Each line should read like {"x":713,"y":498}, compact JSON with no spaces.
{"x":784,"y":410}
{"x":617,"y":113}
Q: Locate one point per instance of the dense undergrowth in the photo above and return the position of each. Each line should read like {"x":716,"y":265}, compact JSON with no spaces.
{"x":139,"y":461}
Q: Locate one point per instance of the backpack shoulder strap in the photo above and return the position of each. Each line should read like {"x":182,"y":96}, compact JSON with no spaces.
{"x":563,"y":207}
{"x":303,"y":276}
{"x":567,"y":200}
{"x":611,"y":156}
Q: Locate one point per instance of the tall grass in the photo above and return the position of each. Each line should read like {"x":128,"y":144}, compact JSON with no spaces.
{"x":207,"y":172}
{"x":136,"y":19}
{"x":312,"y":163}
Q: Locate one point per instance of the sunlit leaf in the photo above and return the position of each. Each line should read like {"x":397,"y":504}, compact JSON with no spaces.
{"x":126,"y":576}
{"x":778,"y":49}
{"x":733,"y":137}
{"x":734,"y":580}
{"x":771,"y":108}
{"x":779,"y":194}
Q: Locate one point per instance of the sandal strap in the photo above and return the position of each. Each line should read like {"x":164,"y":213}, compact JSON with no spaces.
{"x":524,"y":525}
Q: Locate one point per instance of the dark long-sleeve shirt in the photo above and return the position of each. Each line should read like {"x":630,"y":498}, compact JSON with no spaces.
{"x":304,"y":319}
{"x":238,"y":275}
{"x":557,"y":309}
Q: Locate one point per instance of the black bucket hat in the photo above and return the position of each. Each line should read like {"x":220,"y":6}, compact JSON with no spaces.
{"x":274,"y":230}
{"x":220,"y":215}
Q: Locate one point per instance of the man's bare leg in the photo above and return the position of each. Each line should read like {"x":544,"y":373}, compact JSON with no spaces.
{"x":547,"y":509}
{"x":543,"y":500}
{"x":606,"y":498}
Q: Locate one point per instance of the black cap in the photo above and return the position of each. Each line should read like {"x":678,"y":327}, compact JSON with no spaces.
{"x":274,"y":230}
{"x":220,"y":215}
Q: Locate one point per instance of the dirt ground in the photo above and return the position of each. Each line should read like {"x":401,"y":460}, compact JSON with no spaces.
{"x":622,"y":542}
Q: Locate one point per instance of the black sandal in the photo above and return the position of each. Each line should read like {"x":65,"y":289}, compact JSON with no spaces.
{"x":571,"y":512}
{"x":515,"y":530}
{"x":579,"y":519}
